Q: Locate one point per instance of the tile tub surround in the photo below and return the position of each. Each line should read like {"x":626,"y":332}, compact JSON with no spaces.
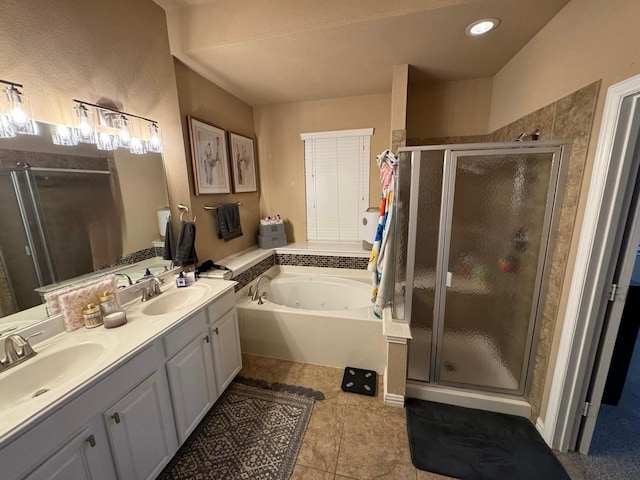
{"x":350,"y":436}
{"x":249,"y":265}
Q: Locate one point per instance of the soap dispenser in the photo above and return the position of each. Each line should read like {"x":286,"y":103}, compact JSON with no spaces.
{"x":182,"y":281}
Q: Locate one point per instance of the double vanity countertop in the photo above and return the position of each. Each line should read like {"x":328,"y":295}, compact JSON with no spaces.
{"x":69,"y":363}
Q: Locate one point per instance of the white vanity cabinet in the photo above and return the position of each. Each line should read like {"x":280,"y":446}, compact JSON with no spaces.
{"x":191,"y":375}
{"x":128,"y":424}
{"x":140,"y":430}
{"x":76,"y":440}
{"x":227,"y":359}
{"x":207,"y":359}
{"x":85,"y":457}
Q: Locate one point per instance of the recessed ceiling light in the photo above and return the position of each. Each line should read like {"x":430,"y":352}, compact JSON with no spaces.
{"x":482,"y":26}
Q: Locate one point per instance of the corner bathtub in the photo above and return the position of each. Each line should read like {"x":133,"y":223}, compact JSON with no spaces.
{"x":313,"y":318}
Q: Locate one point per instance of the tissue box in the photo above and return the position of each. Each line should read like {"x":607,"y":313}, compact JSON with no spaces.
{"x":271,"y":230}
{"x":272,"y":241}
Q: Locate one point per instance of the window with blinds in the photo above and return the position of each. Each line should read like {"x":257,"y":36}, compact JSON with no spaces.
{"x":337,"y":183}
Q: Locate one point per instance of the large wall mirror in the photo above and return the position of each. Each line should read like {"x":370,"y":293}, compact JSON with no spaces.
{"x":68,"y":211}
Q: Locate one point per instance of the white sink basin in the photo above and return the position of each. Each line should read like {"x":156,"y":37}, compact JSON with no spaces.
{"x":45,"y":372}
{"x":175,"y":299}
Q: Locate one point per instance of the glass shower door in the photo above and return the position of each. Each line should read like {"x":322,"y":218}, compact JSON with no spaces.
{"x":427,"y":171}
{"x":498,"y":217}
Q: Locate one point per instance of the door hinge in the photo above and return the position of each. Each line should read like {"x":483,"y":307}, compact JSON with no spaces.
{"x":613,"y":291}
{"x":585,"y":409}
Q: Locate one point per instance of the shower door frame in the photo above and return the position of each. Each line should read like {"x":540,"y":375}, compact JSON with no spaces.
{"x":560,"y":151}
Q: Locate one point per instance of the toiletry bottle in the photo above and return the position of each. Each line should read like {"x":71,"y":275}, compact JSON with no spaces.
{"x":112,"y":315}
{"x":92,"y":316}
{"x":182,"y":281}
{"x":108,"y":303}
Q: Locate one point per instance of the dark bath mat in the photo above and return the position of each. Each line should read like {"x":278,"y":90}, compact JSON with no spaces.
{"x":472,"y":444}
{"x":357,"y":380}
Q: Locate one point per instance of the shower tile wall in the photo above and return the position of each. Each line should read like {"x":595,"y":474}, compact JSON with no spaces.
{"x":570,"y":118}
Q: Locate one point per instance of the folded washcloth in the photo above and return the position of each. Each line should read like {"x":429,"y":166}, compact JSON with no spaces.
{"x":228,"y":221}
{"x":186,"y":248}
{"x":168,"y":242}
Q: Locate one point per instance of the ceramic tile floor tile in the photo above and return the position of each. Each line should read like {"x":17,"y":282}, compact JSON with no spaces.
{"x":306,"y":473}
{"x":350,"y":436}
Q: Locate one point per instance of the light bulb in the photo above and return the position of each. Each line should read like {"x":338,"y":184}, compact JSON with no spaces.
{"x":84,"y":124}
{"x":123,"y":131}
{"x":155,"y":142}
{"x":481,"y":27}
{"x":18,"y":115}
{"x":137,"y":146}
{"x":19,"y":111}
{"x":63,"y":135}
{"x":85,"y":128}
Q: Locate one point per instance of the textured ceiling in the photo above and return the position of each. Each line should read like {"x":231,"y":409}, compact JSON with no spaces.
{"x":279,"y":51}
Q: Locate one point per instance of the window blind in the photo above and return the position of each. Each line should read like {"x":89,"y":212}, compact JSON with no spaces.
{"x":337,"y":183}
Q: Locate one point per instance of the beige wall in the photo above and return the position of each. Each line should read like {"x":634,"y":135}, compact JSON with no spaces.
{"x":278,"y":130}
{"x":143,"y":191}
{"x":114,"y":51}
{"x":448,"y":109}
{"x":206,"y":101}
{"x":585,"y":42}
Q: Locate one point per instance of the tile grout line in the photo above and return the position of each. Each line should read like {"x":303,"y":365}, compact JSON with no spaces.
{"x":344,"y":415}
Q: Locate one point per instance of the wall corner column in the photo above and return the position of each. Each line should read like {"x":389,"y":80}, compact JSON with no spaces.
{"x":399,"y":95}
{"x":395,"y":374}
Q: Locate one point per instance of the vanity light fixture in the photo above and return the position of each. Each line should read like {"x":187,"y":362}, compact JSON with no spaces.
{"x":482,"y":26}
{"x":117,"y":129}
{"x":16,"y":114}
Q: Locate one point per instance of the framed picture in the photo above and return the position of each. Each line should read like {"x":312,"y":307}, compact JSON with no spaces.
{"x":243,"y":163}
{"x":209,"y":157}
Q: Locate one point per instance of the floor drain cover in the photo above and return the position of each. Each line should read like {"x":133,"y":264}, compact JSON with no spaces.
{"x":357,"y":380}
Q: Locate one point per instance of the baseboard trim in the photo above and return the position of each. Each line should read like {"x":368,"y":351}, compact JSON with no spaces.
{"x":540,"y":426}
{"x":393,"y":400}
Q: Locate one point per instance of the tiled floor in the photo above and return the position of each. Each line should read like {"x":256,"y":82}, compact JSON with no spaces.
{"x":349,"y":436}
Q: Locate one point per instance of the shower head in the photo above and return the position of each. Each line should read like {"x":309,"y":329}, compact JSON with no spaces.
{"x":533,"y":136}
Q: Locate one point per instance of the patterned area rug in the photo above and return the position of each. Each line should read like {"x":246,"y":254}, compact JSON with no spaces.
{"x":251,"y":433}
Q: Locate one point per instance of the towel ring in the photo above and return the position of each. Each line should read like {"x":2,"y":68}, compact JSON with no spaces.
{"x":184,"y":209}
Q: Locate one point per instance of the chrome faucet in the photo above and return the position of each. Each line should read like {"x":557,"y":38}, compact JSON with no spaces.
{"x":255,"y":295}
{"x":129,"y":281}
{"x":16,"y":350}
{"x":152,"y":291}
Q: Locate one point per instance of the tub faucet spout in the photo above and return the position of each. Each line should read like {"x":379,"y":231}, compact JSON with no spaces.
{"x":256,"y":291}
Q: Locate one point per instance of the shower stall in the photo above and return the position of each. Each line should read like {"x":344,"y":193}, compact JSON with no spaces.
{"x":475,"y":227}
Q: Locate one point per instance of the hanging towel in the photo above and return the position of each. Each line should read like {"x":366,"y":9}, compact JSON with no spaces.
{"x":186,"y":248}
{"x":228,"y":221}
{"x":382,"y":251}
{"x":168,"y":241}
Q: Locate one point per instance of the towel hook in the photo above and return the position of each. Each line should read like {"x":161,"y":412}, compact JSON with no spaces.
{"x":184,"y":209}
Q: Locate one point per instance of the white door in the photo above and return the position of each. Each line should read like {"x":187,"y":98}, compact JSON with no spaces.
{"x":623,"y":240}
{"x":227,"y":359}
{"x":139,"y":431}
{"x":85,"y":457}
{"x":192,"y":384}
